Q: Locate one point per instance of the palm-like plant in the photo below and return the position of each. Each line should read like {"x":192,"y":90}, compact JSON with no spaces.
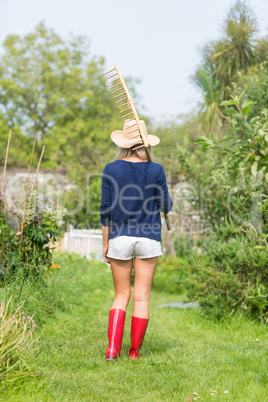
{"x":236,"y":51}
{"x":209,"y":83}
{"x":223,"y":60}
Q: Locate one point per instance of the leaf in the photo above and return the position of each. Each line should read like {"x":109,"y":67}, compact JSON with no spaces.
{"x":229,"y":103}
{"x":211,"y":136}
{"x":226,"y":138}
{"x":247,"y":104}
{"x":245,"y":110}
{"x":200,"y":141}
{"x":231,"y":111}
{"x":266,"y":176}
{"x":248,"y":156}
{"x":205,"y":146}
{"x":241,"y":95}
{"x":254,"y":168}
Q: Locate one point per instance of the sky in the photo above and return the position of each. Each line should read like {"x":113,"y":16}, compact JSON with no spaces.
{"x":155,"y":41}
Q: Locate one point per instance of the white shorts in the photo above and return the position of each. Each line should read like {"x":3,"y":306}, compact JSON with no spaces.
{"x":124,"y":247}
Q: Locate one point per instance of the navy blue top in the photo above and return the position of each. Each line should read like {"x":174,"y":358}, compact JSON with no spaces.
{"x":133,"y":194}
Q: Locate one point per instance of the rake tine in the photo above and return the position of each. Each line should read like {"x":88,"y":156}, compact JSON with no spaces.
{"x":139,"y":146}
{"x":123,"y":93}
{"x":122,"y":111}
{"x":122,"y":117}
{"x":113,"y":81}
{"x":124,"y":104}
{"x":113,"y":92}
{"x":137,"y":143}
{"x":116,"y":85}
{"x":110,"y":71}
{"x":134,"y":136}
{"x":120,"y":100}
{"x":135,"y":124}
{"x":111,"y":76}
{"x":133,"y":131}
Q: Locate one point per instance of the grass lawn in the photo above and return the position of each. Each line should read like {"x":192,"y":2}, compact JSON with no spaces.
{"x":183,"y":352}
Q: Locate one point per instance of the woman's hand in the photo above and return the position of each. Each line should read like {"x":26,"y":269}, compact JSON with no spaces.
{"x":104,"y":252}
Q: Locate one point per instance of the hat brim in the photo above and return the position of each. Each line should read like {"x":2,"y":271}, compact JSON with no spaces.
{"x":122,"y":142}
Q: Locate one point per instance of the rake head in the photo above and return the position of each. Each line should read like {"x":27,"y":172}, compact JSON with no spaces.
{"x":126,"y":107}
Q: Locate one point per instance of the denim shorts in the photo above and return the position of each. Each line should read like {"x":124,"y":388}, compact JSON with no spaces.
{"x":125,"y":247}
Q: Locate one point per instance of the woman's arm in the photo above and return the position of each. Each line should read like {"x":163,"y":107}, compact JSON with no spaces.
{"x":105,"y":241}
{"x":163,"y":198}
{"x":105,"y":234}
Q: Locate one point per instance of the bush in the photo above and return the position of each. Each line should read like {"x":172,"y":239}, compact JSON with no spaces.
{"x":232,"y":274}
{"x":28,"y":256}
{"x":171,"y":275}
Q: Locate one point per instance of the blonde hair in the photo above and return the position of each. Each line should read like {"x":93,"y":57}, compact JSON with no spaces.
{"x":126,"y":152}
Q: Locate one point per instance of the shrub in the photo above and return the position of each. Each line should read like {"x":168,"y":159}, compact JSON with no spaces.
{"x":28,"y":256}
{"x":233,"y":274}
{"x":171,"y":275}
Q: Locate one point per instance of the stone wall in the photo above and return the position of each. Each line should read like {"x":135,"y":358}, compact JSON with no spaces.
{"x":47,"y":180}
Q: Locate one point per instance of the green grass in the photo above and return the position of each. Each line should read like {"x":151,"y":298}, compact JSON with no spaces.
{"x":183,"y":352}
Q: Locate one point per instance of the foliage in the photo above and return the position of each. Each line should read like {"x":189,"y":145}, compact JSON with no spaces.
{"x":83,"y":204}
{"x":177,"y":144}
{"x":186,"y":246}
{"x":245,"y":148}
{"x":53,"y":87}
{"x":28,"y":255}
{"x":235,"y":51}
{"x":209,"y":83}
{"x":171,"y":275}
{"x":232,"y":274}
{"x":224,"y":61}
{"x":20,"y":144}
{"x":255,"y":84}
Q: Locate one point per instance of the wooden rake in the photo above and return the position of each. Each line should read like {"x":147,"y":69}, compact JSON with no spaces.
{"x":127,"y":110}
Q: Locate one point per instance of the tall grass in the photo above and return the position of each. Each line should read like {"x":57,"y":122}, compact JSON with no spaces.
{"x":17,"y":346}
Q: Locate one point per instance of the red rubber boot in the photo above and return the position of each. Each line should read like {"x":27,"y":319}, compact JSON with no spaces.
{"x":138,"y":329}
{"x":115,"y":333}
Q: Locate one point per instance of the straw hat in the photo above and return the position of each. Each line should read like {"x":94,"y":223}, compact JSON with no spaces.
{"x":124,"y":139}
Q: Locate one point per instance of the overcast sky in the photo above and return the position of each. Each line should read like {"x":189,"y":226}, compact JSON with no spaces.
{"x":156,"y":41}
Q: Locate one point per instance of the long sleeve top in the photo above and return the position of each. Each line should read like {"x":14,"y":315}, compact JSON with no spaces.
{"x":133,"y":194}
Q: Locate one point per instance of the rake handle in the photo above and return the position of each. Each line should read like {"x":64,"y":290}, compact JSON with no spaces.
{"x":167,"y":221}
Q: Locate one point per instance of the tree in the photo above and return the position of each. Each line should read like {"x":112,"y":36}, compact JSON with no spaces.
{"x":51,"y":87}
{"x":223,"y":61}
{"x":235,"y":52}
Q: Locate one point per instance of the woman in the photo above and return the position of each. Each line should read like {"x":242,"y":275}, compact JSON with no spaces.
{"x":134,"y":191}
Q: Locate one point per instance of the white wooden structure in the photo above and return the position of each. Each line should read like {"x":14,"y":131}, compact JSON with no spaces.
{"x":86,"y":243}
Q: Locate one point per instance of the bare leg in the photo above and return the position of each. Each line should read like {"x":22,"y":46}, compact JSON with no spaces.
{"x":121,"y":271}
{"x":144,"y":270}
